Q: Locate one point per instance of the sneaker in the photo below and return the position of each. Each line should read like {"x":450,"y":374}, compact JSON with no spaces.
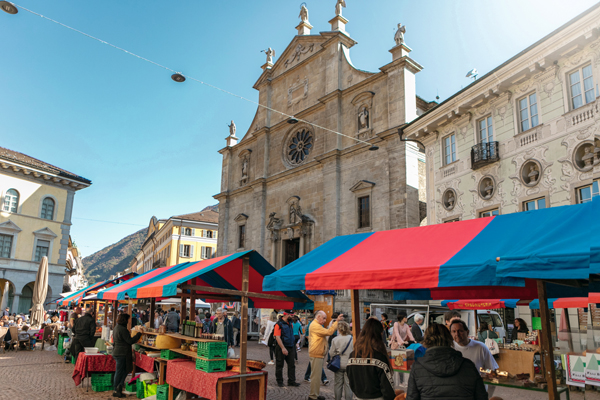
{"x":293,"y":384}
{"x":271,"y":362}
{"x":325,"y":382}
{"x":306,"y":380}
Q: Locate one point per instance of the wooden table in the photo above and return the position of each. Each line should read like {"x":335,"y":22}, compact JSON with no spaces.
{"x":190,"y":338}
{"x":162,"y":370}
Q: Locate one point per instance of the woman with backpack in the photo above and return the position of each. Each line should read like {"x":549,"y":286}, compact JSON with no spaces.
{"x":270,"y":326}
{"x":342,"y":345}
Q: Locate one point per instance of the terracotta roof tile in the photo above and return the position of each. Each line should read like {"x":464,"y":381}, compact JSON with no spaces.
{"x":23,"y":159}
{"x":202,"y":216}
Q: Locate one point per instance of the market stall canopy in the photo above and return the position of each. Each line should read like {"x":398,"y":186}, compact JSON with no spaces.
{"x":480,"y":304}
{"x":119,"y":292}
{"x":220,"y":273}
{"x":570,"y":302}
{"x":551,"y":243}
{"x":76,"y":297}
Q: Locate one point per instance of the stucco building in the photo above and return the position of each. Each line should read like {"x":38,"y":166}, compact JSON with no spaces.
{"x":179,"y":239}
{"x":35,"y":221}
{"x":303,"y":172}
{"x":524,"y":136}
{"x":75,"y":278}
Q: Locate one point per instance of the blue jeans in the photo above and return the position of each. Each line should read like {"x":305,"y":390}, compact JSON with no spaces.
{"x":307,"y":374}
{"x":120,"y":371}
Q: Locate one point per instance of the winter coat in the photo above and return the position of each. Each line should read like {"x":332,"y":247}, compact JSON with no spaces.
{"x":371,"y":378}
{"x":227,"y":329}
{"x":122,"y":344}
{"x":172,"y":321}
{"x":443,"y":373}
{"x":85,"y":328}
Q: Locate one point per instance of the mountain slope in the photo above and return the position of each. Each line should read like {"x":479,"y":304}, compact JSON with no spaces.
{"x":114,"y":258}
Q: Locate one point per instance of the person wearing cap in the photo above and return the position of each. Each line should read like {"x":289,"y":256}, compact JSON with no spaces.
{"x":285,"y":350}
{"x":317,"y":347}
{"x":221,"y":325}
{"x":416,"y":329}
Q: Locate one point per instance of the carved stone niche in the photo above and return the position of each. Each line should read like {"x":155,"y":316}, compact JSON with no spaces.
{"x":487,"y":187}
{"x":363,"y":112}
{"x":531,"y":173}
{"x":449,"y":199}
{"x":244,"y":157}
{"x":583,"y":156}
{"x":596,"y":151}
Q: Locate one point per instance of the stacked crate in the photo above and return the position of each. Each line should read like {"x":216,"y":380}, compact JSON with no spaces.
{"x":212,"y":356}
{"x":102,"y":381}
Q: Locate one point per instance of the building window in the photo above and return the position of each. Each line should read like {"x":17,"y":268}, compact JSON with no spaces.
{"x":449,"y":149}
{"x":241,"y":236}
{"x":208,"y":234}
{"x":536,"y":204}
{"x":187,"y":232}
{"x":11,"y":201}
{"x":207,"y":252}
{"x":578,"y":98}
{"x":186,"y":250}
{"x":5,"y":245}
{"x":48,"y":208}
{"x":41,"y":249}
{"x":528,"y":112}
{"x":452,"y":220}
{"x":585,"y":194}
{"x":486,"y":130}
{"x":489,"y":213}
{"x":364,"y":214}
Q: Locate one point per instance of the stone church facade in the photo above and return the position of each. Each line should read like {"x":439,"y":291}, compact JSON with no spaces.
{"x":292,"y":183}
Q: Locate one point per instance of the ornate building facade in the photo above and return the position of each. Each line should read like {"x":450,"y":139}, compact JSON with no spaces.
{"x":524,"y":136}
{"x":35,"y":221}
{"x":292,"y":182}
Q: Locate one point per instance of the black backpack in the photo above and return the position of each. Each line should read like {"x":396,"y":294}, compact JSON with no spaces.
{"x":272,"y":342}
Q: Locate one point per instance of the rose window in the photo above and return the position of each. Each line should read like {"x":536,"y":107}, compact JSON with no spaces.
{"x":299,"y":146}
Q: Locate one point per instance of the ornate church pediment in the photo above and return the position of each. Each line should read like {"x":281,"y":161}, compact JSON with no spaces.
{"x":9,"y":226}
{"x":45,"y":232}
{"x":362,"y":185}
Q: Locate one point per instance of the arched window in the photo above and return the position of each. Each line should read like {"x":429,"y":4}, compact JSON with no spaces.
{"x":48,"y":208}
{"x":11,"y":201}
{"x":25,"y":300}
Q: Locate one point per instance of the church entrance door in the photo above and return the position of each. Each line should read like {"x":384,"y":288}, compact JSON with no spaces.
{"x":292,"y":250}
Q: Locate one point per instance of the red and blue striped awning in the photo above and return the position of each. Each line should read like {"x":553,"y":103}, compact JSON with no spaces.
{"x":569,"y":302}
{"x":489,"y":304}
{"x":552,"y":243}
{"x":75,"y":298}
{"x":221,"y":272}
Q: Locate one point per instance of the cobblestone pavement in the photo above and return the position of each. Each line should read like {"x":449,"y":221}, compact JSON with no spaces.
{"x":33,"y":375}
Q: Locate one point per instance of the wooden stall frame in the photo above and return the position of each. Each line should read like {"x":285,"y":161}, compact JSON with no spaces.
{"x":546,"y":341}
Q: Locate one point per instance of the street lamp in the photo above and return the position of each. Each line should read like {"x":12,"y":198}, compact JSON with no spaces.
{"x":292,"y":120}
{"x":178,"y":77}
{"x":8,"y":7}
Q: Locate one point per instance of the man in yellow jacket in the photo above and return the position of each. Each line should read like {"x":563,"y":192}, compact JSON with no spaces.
{"x":317,"y":348}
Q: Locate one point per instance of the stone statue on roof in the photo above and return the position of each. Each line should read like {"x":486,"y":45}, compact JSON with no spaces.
{"x":270,"y":54}
{"x":338,"y":7}
{"x":303,"y":14}
{"x":232,"y":128}
{"x":399,"y":36}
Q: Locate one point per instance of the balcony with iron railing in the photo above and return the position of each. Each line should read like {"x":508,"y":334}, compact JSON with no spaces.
{"x":483,"y":154}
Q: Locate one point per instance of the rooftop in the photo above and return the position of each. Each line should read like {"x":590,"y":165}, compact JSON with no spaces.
{"x":201,"y":216}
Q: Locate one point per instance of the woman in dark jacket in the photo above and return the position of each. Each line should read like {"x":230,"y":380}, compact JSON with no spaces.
{"x":520,"y":327}
{"x":443,"y":373}
{"x":122,"y":352}
{"x":369,"y":370}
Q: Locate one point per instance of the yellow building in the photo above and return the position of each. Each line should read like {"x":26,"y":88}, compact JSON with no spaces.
{"x":35,"y":221}
{"x":182,"y":238}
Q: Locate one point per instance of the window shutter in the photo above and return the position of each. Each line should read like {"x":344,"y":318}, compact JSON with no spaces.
{"x":203,"y":252}
{"x":215,"y":233}
{"x":191,"y":251}
{"x":180,"y":250}
{"x":193,"y":232}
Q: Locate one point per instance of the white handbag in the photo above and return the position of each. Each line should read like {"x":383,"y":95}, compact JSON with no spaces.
{"x":491,"y":345}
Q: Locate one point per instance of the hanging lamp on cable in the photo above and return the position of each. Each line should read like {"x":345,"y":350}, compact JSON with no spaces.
{"x":8,"y":7}
{"x":178,"y":77}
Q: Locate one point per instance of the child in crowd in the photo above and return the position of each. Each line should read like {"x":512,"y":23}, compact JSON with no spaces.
{"x":23,"y":335}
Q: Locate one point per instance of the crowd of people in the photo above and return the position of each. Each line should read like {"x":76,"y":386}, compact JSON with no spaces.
{"x":363,"y":370}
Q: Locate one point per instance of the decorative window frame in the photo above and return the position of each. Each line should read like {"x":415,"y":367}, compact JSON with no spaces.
{"x":19,"y":202}
{"x":364,"y":99}
{"x":477,"y":132}
{"x":517,"y":113}
{"x":360,"y":189}
{"x":488,"y":208}
{"x":12,"y":229}
{"x":584,"y":62}
{"x":292,"y":131}
{"x":43,"y":234}
{"x":452,"y":218}
{"x":241,"y":220}
{"x":545,"y":195}
{"x":443,"y":149}
{"x":54,"y":213}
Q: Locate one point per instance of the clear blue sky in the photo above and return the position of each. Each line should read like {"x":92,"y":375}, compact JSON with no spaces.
{"x":150,"y":145}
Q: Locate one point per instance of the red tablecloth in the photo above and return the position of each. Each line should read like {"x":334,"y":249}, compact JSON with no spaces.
{"x":183,"y":375}
{"x":92,"y":363}
{"x":144,"y":362}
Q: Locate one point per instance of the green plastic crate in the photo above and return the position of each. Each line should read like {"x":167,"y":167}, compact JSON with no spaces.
{"x":103,"y":378}
{"x":211,"y":365}
{"x":162,"y":392}
{"x":139,"y":390}
{"x":102,"y":388}
{"x":170,"y":355}
{"x":212,"y":350}
{"x":60,"y":349}
{"x":72,"y":360}
{"x":131,"y":387}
